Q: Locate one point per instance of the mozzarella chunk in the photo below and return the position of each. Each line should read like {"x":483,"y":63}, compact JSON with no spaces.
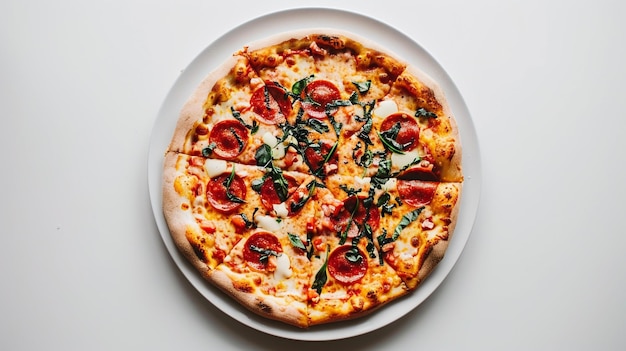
{"x":390,"y":184}
{"x":281,"y":210}
{"x":278,"y":149}
{"x":215,"y":167}
{"x":385,"y":108}
{"x":402,"y":160}
{"x":268,"y":223}
{"x":283,"y":267}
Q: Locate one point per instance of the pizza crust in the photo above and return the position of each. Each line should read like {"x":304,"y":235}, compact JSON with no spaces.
{"x":177,"y":211}
{"x":293,"y":313}
{"x":193,"y":109}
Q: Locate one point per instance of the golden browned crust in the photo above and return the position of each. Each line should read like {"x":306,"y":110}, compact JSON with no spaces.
{"x":177,"y":210}
{"x":245,"y":291}
{"x":193,"y":110}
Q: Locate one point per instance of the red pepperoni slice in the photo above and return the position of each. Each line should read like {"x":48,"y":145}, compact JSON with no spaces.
{"x":270,"y":103}
{"x":217,"y":193}
{"x":425,"y":170}
{"x":322,"y":92}
{"x":409,"y":132}
{"x":420,"y":173}
{"x":415,"y":192}
{"x":361,"y":216}
{"x":230,"y":138}
{"x":269,"y":196}
{"x":316,"y":156}
{"x":347,"y":264}
{"x":259,"y":248}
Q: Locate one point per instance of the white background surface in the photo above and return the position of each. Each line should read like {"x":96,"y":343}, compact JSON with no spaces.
{"x":83,"y":266}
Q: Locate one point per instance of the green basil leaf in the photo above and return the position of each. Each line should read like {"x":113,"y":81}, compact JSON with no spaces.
{"x":353,"y":255}
{"x":321,"y":277}
{"x":263,"y":155}
{"x":317,"y":125}
{"x":391,"y":144}
{"x":422,"y":112}
{"x":265,"y":253}
{"x":230,"y":196}
{"x":207,"y":151}
{"x":405,"y":221}
{"x":363,"y":87}
{"x":299,"y":86}
{"x":296,"y":241}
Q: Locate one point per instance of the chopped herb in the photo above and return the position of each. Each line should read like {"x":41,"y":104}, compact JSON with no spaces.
{"x":382,"y":174}
{"x":237,"y":115}
{"x":239,"y":141}
{"x":383,"y":203}
{"x":207,"y":151}
{"x":311,"y":187}
{"x":353,"y":255}
{"x":296,"y":241}
{"x":263,"y":158}
{"x":299,"y":86}
{"x":266,"y":97}
{"x":388,"y":138}
{"x":263,"y":155}
{"x":317,"y":125}
{"x":343,"y":236}
{"x":363,"y":87}
{"x":257,"y":184}
{"x":422,"y":112}
{"x":265,"y":253}
{"x":349,"y":191}
{"x":249,"y":224}
{"x":405,"y":221}
{"x":230,"y":196}
{"x":321,"y":277}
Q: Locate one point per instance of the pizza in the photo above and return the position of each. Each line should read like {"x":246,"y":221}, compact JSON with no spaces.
{"x":314,"y":177}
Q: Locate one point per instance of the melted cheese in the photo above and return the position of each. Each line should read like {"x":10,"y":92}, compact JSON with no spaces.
{"x":283,"y":267}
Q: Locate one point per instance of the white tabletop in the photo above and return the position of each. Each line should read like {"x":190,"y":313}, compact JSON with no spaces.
{"x":84,"y":267}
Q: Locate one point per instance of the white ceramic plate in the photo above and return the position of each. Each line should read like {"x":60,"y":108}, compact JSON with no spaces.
{"x":386,"y":36}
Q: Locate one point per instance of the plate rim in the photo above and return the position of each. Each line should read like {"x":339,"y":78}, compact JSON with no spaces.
{"x":470,"y":198}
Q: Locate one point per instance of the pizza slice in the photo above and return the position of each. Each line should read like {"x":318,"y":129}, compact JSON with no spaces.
{"x":349,"y":277}
{"x":210,"y":204}
{"x":420,"y":124}
{"x":418,"y":223}
{"x":268,"y":271}
{"x":231,"y":114}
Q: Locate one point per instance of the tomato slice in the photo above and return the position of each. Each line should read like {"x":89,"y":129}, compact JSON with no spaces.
{"x":317,"y":95}
{"x":217,"y":193}
{"x":230,"y":138}
{"x":259,"y":247}
{"x":347,"y":264}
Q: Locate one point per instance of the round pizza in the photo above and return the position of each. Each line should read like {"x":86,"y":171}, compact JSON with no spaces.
{"x":314,"y":177}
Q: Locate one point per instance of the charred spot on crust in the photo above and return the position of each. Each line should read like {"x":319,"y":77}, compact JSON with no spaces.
{"x":332,"y":41}
{"x":199,"y":251}
{"x":264,"y":307}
